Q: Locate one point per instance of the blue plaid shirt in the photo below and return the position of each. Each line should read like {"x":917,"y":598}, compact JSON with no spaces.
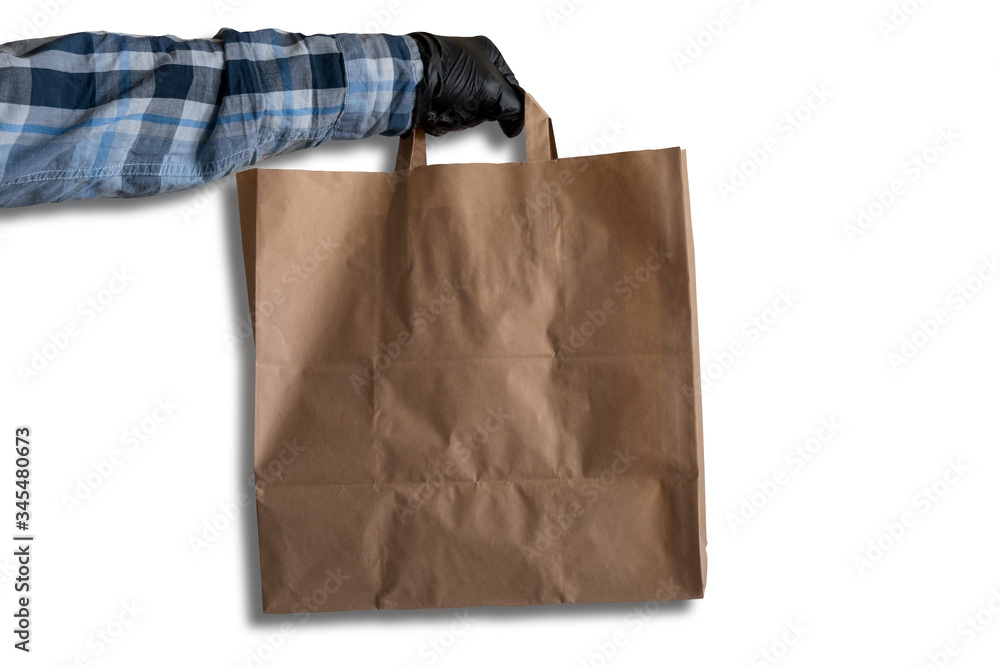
{"x":108,"y":115}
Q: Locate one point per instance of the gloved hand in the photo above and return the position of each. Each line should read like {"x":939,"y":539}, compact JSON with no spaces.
{"x":465,"y":82}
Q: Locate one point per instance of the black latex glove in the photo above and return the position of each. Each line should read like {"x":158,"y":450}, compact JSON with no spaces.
{"x":465,"y":82}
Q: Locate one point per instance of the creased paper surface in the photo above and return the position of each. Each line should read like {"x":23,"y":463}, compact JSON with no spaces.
{"x":476,"y":384}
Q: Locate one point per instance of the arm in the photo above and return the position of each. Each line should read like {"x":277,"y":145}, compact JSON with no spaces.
{"x":109,"y":115}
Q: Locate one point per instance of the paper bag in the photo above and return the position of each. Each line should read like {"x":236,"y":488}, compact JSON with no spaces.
{"x":474,"y":381}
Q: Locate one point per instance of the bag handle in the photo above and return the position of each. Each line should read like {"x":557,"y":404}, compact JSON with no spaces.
{"x":538,"y":136}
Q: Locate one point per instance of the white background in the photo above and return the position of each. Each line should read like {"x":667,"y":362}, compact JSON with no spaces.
{"x":609,"y":75}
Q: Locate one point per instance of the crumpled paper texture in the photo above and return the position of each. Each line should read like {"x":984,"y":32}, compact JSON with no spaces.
{"x":487,"y":375}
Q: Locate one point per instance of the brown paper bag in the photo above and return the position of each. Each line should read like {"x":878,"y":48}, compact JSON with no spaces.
{"x":473,"y":381}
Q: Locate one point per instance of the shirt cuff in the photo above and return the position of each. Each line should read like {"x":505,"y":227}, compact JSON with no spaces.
{"x":381,"y":73}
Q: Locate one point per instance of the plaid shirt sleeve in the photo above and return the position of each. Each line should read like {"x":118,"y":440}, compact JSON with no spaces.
{"x":108,"y":115}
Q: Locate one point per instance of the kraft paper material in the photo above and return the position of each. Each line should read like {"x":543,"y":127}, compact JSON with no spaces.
{"x":475,"y":382}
